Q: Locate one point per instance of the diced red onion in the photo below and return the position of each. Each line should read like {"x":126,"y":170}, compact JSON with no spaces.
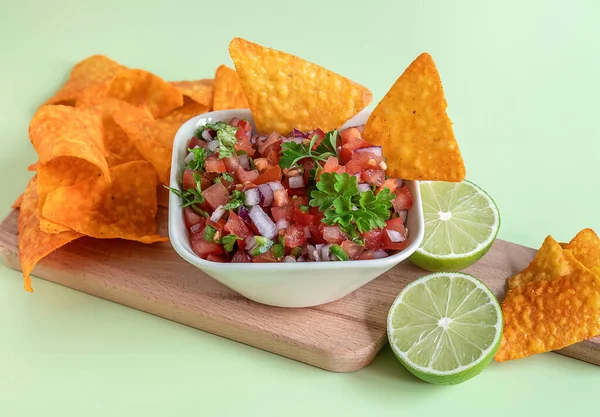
{"x":206,"y":135}
{"x":213,"y":145}
{"x":249,"y":135}
{"x":234,"y":121}
{"x":301,"y":259}
{"x":364,"y":187}
{"x":380,"y":253}
{"x":244,"y":162}
{"x":357,"y":175}
{"x":307,"y":233}
{"x":400,"y":183}
{"x":217,"y":214}
{"x":395,"y":236}
{"x":266,"y":194}
{"x":250,"y":243}
{"x":275,"y":185}
{"x":310,"y":251}
{"x":252,"y":197}
{"x":326,"y":252}
{"x":190,"y":156}
{"x":317,"y":255}
{"x":263,"y":222}
{"x":298,"y":134}
{"x":289,"y":259}
{"x":375,"y":150}
{"x":282,"y":224}
{"x":292,"y":139}
{"x":244,"y":214}
{"x":402,"y":214}
{"x":296,"y":182}
{"x":360,"y":128}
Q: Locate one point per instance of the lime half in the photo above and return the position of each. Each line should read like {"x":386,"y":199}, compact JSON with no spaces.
{"x":461,"y":223}
{"x":445,"y":327}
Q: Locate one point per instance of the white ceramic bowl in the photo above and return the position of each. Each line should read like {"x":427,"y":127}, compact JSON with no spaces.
{"x":303,"y":284}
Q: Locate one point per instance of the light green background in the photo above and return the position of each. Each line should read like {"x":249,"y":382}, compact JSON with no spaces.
{"x":521,"y":79}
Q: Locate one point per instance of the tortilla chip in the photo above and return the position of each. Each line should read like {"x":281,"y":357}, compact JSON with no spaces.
{"x":57,"y":131}
{"x":17,"y":202}
{"x":201,"y":91}
{"x":142,"y":88}
{"x":550,"y":262}
{"x":89,"y":80}
{"x":285,"y":91}
{"x":60,"y":172}
{"x":586,"y":248}
{"x":411,"y":124}
{"x":34,"y":244}
{"x":228,"y":90}
{"x":124,"y":208}
{"x":552,"y":313}
{"x":34,"y":166}
{"x":162,"y":196}
{"x":154,"y":138}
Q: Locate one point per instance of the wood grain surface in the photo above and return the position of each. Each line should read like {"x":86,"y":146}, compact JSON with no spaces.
{"x":342,"y":336}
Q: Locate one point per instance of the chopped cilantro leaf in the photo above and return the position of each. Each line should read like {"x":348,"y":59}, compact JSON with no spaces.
{"x":197,"y":164}
{"x":278,"y":250}
{"x":209,"y":233}
{"x":236,"y":199}
{"x":191,"y":197}
{"x":226,"y":137}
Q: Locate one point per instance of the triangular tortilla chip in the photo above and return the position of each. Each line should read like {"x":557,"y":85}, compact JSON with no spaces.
{"x":586,"y":248}
{"x":201,"y":91}
{"x":552,"y":312}
{"x":229,"y":93}
{"x":34,"y":244}
{"x":412,"y":126}
{"x":285,"y":91}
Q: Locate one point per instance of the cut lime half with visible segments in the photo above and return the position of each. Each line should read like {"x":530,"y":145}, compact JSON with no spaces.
{"x":461,"y":223}
{"x":445,"y":327}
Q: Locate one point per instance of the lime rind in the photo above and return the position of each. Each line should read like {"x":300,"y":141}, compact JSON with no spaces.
{"x":463,"y":365}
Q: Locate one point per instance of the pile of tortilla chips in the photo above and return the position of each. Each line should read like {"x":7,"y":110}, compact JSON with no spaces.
{"x":104,"y":143}
{"x":555,"y":301}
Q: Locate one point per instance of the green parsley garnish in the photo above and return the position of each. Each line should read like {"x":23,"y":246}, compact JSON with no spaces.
{"x":339,"y":253}
{"x":292,"y":152}
{"x":337,"y":196}
{"x":228,"y":241}
{"x":278,"y":251}
{"x":197,"y":164}
{"x":191,"y":197}
{"x":236,"y":199}
{"x":209,"y":233}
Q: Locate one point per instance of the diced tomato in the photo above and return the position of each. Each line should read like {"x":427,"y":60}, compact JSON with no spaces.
{"x":361,"y":161}
{"x":294,"y":236}
{"x":273,"y":156}
{"x":202,"y":248}
{"x":367,"y":255}
{"x":300,"y":200}
{"x":196,"y":142}
{"x":352,"y":249}
{"x":355,"y":143}
{"x":282,"y":213}
{"x":345,"y":155}
{"x":373,"y":176}
{"x":333,"y":234}
{"x":350,"y":133}
{"x":236,"y":226}
{"x":303,"y":219}
{"x":216,"y":195}
{"x":265,"y":257}
{"x":188,"y":180}
{"x":234,"y":121}
{"x":273,"y":139}
{"x":373,"y":238}
{"x":219,"y":226}
{"x":190,"y":217}
{"x":396,"y":225}
{"x":308,"y":164}
{"x":245,"y":125}
{"x":390,"y":183}
{"x":240,"y":256}
{"x":213,"y":164}
{"x":320,"y":136}
{"x":263,"y":164}
{"x":244,"y":144}
{"x":217,"y":258}
{"x":298,"y":193}
{"x":273,"y":174}
{"x":232,"y":163}
{"x":280,"y":198}
{"x":246,"y":176}
{"x":403,"y":200}
{"x":316,"y":233}
{"x":331,"y":165}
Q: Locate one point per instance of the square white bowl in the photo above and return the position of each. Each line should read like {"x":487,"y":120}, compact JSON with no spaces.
{"x":302,"y":284}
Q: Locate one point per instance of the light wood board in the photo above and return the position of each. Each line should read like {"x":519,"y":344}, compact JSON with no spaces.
{"x":341,"y":336}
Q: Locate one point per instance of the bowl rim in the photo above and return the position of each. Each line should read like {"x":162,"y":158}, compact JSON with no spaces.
{"x":175,"y":210}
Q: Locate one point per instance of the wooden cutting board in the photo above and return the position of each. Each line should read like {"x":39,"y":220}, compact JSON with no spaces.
{"x":341,"y":336}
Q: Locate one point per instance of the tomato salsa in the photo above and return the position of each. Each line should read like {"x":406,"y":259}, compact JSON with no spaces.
{"x":310,"y":196}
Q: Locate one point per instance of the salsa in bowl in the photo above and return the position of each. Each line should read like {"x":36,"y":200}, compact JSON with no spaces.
{"x":273,"y":217}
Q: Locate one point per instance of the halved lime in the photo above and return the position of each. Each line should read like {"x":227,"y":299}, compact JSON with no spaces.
{"x":461,"y":223}
{"x":445,"y":327}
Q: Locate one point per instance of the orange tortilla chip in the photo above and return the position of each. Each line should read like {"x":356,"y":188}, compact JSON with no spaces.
{"x":201,"y":91}
{"x":123,"y":208}
{"x":142,"y":88}
{"x":411,"y":124}
{"x":586,"y":248}
{"x":550,"y":262}
{"x":33,"y":167}
{"x":549,"y":314}
{"x":34,"y":244}
{"x":17,"y":202}
{"x":285,"y":91}
{"x":89,"y":80}
{"x":154,"y":138}
{"x":228,"y":90}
